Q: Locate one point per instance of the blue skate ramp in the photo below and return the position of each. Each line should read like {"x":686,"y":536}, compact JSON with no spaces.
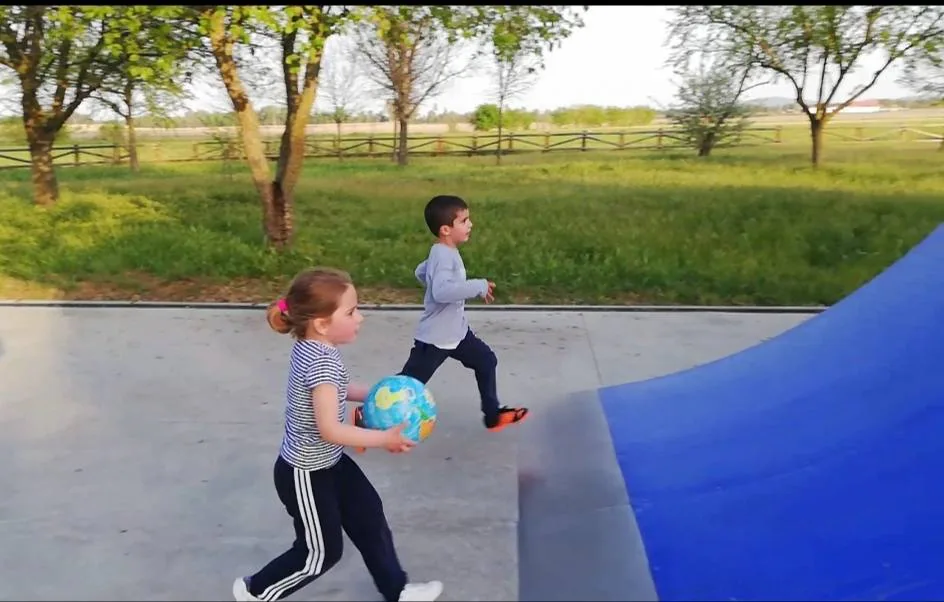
{"x":808,"y":467}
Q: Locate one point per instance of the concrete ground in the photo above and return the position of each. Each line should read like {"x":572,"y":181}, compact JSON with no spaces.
{"x":138,"y":443}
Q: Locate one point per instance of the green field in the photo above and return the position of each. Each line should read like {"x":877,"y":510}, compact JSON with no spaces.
{"x":747,"y":226}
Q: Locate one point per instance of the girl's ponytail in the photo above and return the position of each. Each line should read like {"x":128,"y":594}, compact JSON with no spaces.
{"x":277,"y":317}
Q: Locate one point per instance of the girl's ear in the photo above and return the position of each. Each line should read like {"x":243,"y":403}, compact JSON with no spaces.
{"x":321,"y":325}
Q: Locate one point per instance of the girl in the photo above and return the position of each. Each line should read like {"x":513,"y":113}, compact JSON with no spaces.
{"x":322,"y":488}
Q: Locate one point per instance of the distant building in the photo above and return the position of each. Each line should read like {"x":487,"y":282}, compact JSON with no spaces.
{"x":860,"y":106}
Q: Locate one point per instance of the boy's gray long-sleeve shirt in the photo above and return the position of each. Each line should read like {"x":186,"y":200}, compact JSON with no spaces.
{"x":443,"y":322}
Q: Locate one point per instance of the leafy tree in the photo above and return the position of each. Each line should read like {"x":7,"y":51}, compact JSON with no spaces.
{"x":61,"y":56}
{"x":519,"y":37}
{"x":411,"y":51}
{"x":300,"y":32}
{"x":153,"y":78}
{"x":925,"y":75}
{"x":485,"y":117}
{"x":410,"y":54}
{"x":709,"y":111}
{"x":814,"y":48}
{"x":516,"y":69}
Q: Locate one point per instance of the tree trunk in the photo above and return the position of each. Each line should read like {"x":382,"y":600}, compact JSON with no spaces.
{"x":279,"y":216}
{"x":816,"y":135}
{"x":268,"y":190}
{"x":280,"y":220}
{"x":396,"y":132}
{"x":292,"y":151}
{"x":132,"y":144}
{"x":129,"y":124}
{"x":45,"y":184}
{"x":402,"y":149}
{"x":248,"y":121}
{"x":498,"y":148}
{"x":707,"y":144}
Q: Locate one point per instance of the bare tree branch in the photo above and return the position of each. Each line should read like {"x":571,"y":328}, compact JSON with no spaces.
{"x":410,"y":63}
{"x":342,"y":81}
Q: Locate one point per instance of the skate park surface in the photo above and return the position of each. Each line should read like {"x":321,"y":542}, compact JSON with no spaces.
{"x":670,"y":455}
{"x":139,"y":443}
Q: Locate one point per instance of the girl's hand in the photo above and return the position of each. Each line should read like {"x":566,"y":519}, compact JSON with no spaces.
{"x":397,"y":443}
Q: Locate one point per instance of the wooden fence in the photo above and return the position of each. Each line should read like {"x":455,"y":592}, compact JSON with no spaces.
{"x":75,"y":155}
{"x":350,"y":147}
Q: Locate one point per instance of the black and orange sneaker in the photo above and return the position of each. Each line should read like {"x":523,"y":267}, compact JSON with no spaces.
{"x":505,"y":417}
{"x":359,"y":421}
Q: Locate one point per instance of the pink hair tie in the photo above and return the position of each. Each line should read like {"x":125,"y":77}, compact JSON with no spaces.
{"x":283,"y":306}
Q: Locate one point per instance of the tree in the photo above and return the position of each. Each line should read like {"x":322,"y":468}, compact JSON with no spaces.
{"x":410,"y":54}
{"x":61,"y":56}
{"x":149,"y":79}
{"x":925,"y":75}
{"x":518,"y":38}
{"x":341,"y":85}
{"x":301,"y":33}
{"x":515,"y":71}
{"x":814,"y":48}
{"x":709,"y":110}
{"x":484,"y":117}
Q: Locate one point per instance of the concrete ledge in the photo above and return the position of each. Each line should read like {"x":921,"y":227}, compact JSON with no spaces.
{"x":577,"y":533}
{"x":773,"y":309}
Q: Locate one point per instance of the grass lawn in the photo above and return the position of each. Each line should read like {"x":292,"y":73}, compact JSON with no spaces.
{"x":746,"y":226}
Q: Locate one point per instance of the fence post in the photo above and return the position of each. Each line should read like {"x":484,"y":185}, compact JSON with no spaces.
{"x":511,"y":140}
{"x":75,"y":154}
{"x":475,"y":145}
{"x":583,"y":140}
{"x":115,"y":154}
{"x":622,"y":140}
{"x":778,"y":134}
{"x":659,"y":139}
{"x":370,"y":145}
{"x":547,"y":142}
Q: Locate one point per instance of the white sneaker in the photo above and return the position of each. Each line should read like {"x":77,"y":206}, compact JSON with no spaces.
{"x":241,"y":592}
{"x":421,"y":592}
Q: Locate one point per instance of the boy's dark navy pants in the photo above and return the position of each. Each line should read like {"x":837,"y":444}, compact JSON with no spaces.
{"x":472,"y":353}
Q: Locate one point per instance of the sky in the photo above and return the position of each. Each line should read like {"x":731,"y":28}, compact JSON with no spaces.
{"x":616,"y":59}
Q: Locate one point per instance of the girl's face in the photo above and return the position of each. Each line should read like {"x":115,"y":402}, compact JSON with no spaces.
{"x":342,"y":326}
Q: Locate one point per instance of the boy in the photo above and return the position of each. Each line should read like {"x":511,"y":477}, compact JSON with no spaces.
{"x":443,"y":330}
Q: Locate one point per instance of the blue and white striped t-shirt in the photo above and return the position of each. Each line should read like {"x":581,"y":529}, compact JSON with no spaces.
{"x":311,"y":364}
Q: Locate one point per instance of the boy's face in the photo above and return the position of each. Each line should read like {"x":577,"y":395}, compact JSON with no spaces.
{"x":461,"y":228}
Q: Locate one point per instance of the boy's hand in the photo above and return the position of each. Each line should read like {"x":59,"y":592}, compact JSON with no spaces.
{"x":396,"y":442}
{"x":489,"y":294}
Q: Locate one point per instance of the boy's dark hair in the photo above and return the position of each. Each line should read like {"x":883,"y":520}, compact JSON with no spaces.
{"x":442,"y":210}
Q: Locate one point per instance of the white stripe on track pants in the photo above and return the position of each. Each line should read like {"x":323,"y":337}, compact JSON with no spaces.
{"x":321,"y":504}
